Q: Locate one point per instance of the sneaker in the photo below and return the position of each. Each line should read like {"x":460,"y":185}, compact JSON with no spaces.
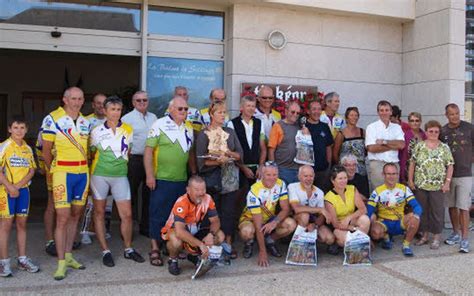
{"x":387,"y":244}
{"x":333,"y":249}
{"x":407,"y":251}
{"x":108,"y":260}
{"x":173,"y":267}
{"x":5,"y":268}
{"x":194,"y":259}
{"x":464,"y":246}
{"x":61,"y":272}
{"x":248,"y":250}
{"x":273,"y":250}
{"x":51,"y":248}
{"x":73,"y":263}
{"x":86,"y":239}
{"x":453,"y":239}
{"x":27,"y":265}
{"x":134,"y":255}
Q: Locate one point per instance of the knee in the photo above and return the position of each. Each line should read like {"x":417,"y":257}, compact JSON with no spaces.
{"x":302,"y":219}
{"x":220,"y":237}
{"x":247,"y":233}
{"x":126,"y":217}
{"x":289,"y":224}
{"x":174,"y":243}
{"x":20,"y":224}
{"x":376,"y":232}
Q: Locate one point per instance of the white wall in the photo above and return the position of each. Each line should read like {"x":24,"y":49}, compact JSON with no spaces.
{"x":359,"y":57}
{"x":433,"y":58}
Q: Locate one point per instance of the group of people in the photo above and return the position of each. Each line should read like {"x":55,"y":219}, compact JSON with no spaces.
{"x":201,"y":178}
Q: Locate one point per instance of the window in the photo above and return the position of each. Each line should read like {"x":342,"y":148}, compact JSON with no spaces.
{"x":198,"y":76}
{"x":99,"y":16}
{"x":186,"y":23}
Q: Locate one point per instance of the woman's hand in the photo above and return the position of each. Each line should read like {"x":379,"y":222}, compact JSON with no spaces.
{"x":222,"y":159}
{"x":344,"y":224}
{"x":411,"y":184}
{"x":446,"y":186}
{"x":305,"y":131}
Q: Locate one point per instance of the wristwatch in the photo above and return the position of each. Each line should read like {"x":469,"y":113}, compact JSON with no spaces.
{"x":384,"y":142}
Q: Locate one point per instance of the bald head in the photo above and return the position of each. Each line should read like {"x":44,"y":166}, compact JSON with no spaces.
{"x":178,"y":109}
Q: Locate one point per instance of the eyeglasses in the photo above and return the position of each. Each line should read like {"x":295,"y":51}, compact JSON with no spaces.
{"x":266,"y":98}
{"x":270,"y":163}
{"x":293,"y":112}
{"x":433,"y":131}
{"x":414,"y":120}
{"x":182,"y":108}
{"x":141,"y":100}
{"x":391,"y":174}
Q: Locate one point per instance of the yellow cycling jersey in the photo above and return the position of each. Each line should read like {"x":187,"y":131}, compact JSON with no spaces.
{"x":390,"y":203}
{"x":343,"y":209}
{"x":70,"y":138}
{"x":262,"y":200}
{"x":15,"y":160}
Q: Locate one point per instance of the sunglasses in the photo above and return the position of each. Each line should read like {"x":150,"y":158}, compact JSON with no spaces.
{"x":141,"y":100}
{"x":270,"y":163}
{"x":293,"y":112}
{"x":182,"y":108}
{"x":266,"y":98}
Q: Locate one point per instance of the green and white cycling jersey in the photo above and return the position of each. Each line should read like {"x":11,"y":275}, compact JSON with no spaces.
{"x":111,"y":149}
{"x":171,"y":143}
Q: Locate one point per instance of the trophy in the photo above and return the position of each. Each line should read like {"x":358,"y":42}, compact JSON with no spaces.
{"x":217,"y":143}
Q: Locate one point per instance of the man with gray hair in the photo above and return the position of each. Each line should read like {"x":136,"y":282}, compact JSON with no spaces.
{"x":141,"y":120}
{"x":167,"y":155}
{"x":194,"y":115}
{"x":349,"y":162}
{"x":334,"y":120}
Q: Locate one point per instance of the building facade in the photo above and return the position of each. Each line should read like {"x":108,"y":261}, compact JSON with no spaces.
{"x":410,"y":52}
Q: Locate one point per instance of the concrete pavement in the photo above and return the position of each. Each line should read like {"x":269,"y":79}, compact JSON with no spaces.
{"x":443,"y":271}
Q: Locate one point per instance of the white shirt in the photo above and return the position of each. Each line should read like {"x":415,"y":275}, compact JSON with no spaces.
{"x":267,"y":120}
{"x":248,"y":131}
{"x":378,"y":131}
{"x":140,"y":124}
{"x":297,"y":194}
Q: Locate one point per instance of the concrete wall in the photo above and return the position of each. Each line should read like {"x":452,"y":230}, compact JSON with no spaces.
{"x":433,"y":58}
{"x":359,"y":57}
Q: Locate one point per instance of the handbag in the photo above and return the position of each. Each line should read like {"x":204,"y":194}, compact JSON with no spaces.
{"x":213,"y":180}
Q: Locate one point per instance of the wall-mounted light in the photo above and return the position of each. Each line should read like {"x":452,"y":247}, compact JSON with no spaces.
{"x":277,"y":40}
{"x":56,"y":34}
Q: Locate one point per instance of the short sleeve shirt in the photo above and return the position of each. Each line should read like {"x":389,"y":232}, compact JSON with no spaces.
{"x":378,"y":131}
{"x":343,"y":209}
{"x":111,"y":150}
{"x":193,"y":117}
{"x":260,"y":197}
{"x":297,"y":194}
{"x":267,"y":120}
{"x":335,"y":123}
{"x":460,"y":140}
{"x":431,"y":165}
{"x":16,"y":160}
{"x":171,"y":143}
{"x":141,"y":125}
{"x":70,"y":138}
{"x":189,"y":213}
{"x":321,"y":136}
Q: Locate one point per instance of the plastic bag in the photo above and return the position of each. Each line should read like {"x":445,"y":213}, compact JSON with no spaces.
{"x":302,"y":249}
{"x":304,"y":149}
{"x":357,"y":249}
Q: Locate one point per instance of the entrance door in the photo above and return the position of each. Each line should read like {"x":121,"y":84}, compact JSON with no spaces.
{"x":3,"y":117}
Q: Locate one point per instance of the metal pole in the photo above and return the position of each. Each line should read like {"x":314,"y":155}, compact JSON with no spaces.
{"x":144,"y":47}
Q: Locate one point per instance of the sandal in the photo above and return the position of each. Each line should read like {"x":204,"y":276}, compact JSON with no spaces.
{"x":421,"y":242}
{"x":434,"y":245}
{"x":155,"y":258}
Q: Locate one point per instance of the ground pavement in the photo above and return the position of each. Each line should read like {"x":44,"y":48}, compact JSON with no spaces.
{"x":443,"y":271}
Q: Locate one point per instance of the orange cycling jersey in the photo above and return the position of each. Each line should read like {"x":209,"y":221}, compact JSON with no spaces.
{"x":184,"y":210}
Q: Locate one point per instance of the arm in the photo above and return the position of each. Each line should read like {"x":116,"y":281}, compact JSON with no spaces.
{"x":359,"y":203}
{"x":25,"y":179}
{"x":417,"y":209}
{"x":183,"y":234}
{"x":332,"y":215}
{"x":447,"y":181}
{"x":215,"y":225}
{"x":271,"y":154}
{"x":329,"y":154}
{"x":395,"y":144}
{"x":337,"y":147}
{"x":411,"y":174}
{"x":149,"y":170}
{"x":262,"y":250}
{"x":11,"y":189}
{"x":263,"y":156}
{"x":377,"y":148}
{"x":47,"y":155}
{"x":192,"y":161}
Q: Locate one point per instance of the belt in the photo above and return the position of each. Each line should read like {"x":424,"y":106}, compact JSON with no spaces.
{"x":71,"y":163}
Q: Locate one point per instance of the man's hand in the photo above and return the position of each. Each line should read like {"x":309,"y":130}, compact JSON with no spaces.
{"x":13,"y":191}
{"x":305,"y":131}
{"x":446,"y":187}
{"x":258,"y":173}
{"x":248,"y":172}
{"x":269,"y":227}
{"x":209,"y":239}
{"x":151,"y":182}
{"x":325,"y":215}
{"x":263,"y":259}
{"x":379,"y":142}
{"x":204,"y":251}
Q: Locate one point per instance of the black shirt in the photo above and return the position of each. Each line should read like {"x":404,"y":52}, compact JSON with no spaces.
{"x":322,"y":137}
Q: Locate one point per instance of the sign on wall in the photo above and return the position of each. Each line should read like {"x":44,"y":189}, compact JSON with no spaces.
{"x":284,"y":92}
{"x":198,"y":76}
